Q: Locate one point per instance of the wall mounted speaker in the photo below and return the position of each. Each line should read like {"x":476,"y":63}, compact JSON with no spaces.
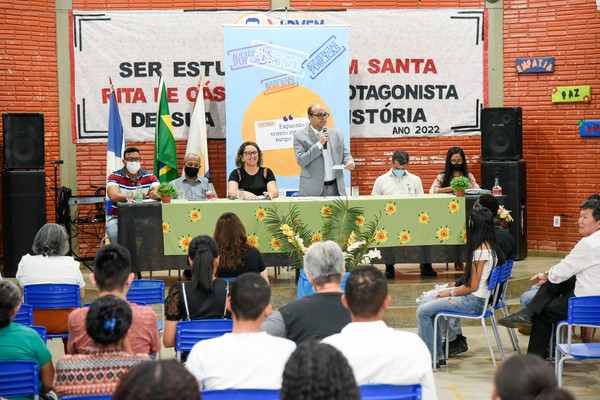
{"x":23,"y":141}
{"x":502,"y":133}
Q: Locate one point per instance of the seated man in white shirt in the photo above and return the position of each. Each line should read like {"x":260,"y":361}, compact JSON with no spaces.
{"x":377,"y":353}
{"x":397,"y":181}
{"x":247,"y":358}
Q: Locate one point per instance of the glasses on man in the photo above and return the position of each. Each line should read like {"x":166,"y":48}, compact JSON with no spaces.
{"x":250,"y":153}
{"x":133,"y":159}
{"x":321,"y":116}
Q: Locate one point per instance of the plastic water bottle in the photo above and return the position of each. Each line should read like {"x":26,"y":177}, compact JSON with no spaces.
{"x":139,"y":195}
{"x":211,"y":194}
{"x":497,"y":189}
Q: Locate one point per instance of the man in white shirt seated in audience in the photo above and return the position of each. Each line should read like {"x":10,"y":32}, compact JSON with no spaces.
{"x":397,"y":181}
{"x":377,"y":353}
{"x":321,"y":314}
{"x":247,"y":358}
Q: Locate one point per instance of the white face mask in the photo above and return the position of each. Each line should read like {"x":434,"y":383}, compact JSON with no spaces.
{"x":133,"y":167}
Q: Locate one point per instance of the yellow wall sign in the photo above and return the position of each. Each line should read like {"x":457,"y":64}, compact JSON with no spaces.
{"x":571,"y":94}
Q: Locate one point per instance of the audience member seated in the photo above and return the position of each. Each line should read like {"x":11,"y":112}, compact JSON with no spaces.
{"x":317,"y":371}
{"x":157,"y":380}
{"x":98,"y":370}
{"x":578,"y":274}
{"x":321,"y":314}
{"x":397,"y":181}
{"x":246,"y":358}
{"x":376,"y":352}
{"x":50,"y":264}
{"x":112,"y":275}
{"x":19,"y":342}
{"x":527,"y":377}
{"x":470,"y":296}
{"x":237,"y":256}
{"x":455,"y":166}
{"x":250,"y":175}
{"x":506,"y":251}
{"x":201,"y":298}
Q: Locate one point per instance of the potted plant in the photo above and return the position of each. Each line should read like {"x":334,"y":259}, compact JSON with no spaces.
{"x":459,"y":185}
{"x":166,"y":191}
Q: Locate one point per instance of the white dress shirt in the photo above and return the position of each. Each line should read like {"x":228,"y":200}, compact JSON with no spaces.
{"x":380,"y":354}
{"x":583,"y":262}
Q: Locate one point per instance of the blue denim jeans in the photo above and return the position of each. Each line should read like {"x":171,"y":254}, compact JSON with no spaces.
{"x":111,"y":228}
{"x":528,"y":296}
{"x":426,"y":315}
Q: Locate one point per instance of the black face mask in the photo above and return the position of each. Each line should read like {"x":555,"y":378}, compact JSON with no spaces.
{"x":456,"y":167}
{"x":192,"y":172}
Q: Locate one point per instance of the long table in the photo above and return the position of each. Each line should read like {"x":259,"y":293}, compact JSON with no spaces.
{"x":156,"y":234}
{"x":427,"y":228}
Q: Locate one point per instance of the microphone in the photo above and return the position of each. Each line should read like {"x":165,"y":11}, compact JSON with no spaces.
{"x":324,"y":132}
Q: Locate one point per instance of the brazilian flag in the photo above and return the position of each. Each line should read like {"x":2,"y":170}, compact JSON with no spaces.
{"x":165,"y":152}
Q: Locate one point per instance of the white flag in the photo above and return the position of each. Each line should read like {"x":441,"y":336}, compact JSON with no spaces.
{"x":197,"y":138}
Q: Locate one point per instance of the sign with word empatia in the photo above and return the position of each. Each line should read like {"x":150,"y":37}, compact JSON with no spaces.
{"x":273,"y":74}
{"x":411,"y":72}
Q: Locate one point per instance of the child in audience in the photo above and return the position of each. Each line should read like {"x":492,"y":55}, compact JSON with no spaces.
{"x":98,"y":370}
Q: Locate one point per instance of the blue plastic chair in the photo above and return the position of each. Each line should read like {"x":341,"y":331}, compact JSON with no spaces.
{"x":188,"y":333}
{"x":501,"y":305}
{"x":305,"y":288}
{"x":583,"y":311}
{"x":40,"y":331}
{"x":487,"y":312}
{"x":147,"y":292}
{"x":24,"y":315}
{"x":241,"y":394}
{"x":89,"y":397}
{"x":391,"y":392}
{"x":52,"y":296}
{"x":19,"y":378}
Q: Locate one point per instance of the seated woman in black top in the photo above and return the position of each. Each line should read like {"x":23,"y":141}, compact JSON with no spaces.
{"x":250,"y":175}
{"x":237,"y":256}
{"x":201,"y":298}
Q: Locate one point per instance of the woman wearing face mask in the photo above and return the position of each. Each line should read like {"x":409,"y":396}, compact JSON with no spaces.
{"x":456,"y":165}
{"x":191,"y":183}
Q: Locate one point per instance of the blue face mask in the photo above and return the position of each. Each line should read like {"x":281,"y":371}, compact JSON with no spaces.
{"x":399,"y":172}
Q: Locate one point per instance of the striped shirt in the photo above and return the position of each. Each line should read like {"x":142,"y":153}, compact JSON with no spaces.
{"x":145,"y":181}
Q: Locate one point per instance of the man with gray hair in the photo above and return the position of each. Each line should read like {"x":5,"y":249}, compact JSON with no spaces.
{"x":322,"y":313}
{"x":193,"y":185}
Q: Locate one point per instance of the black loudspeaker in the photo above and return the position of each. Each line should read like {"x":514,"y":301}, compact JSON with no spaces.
{"x":513,"y":180}
{"x":23,"y":141}
{"x":502,"y":133}
{"x":24,"y":213}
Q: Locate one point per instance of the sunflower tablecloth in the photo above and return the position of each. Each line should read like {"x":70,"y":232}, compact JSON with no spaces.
{"x":404,"y":221}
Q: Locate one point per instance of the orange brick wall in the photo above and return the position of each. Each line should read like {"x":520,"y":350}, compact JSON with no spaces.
{"x":561,"y":165}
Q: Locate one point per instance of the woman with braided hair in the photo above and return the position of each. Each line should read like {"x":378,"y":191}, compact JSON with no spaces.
{"x":318,"y":371}
{"x":98,"y":370}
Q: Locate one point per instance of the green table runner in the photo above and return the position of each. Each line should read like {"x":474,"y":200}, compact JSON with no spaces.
{"x":404,"y":221}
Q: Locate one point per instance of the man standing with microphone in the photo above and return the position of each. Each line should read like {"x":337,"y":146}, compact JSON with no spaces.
{"x":318,"y":149}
